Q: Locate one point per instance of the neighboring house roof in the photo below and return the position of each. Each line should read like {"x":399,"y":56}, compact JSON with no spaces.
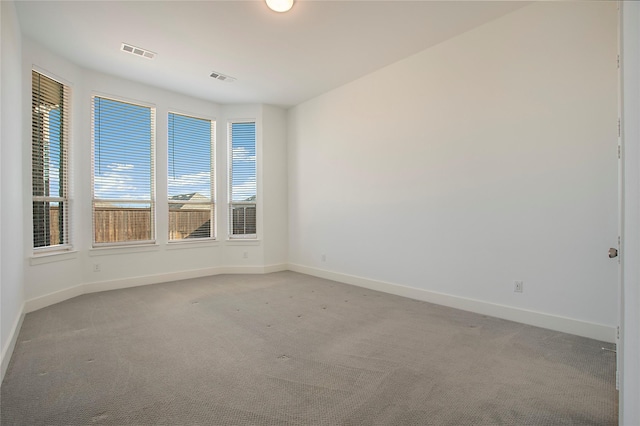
{"x":193,"y":196}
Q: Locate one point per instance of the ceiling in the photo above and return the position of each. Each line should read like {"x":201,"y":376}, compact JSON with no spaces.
{"x":277,"y":58}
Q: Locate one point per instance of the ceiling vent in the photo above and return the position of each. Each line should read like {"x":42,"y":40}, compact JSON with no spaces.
{"x":138,"y":51}
{"x":222,"y":77}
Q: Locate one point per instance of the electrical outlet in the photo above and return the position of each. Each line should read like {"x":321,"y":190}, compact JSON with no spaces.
{"x":518,"y":286}
{"x":323,"y":258}
{"x":245,"y":255}
{"x":96,"y":267}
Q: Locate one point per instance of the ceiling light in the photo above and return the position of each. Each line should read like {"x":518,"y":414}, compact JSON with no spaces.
{"x":280,"y":5}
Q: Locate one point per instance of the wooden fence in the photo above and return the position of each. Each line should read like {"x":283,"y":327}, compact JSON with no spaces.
{"x":113,"y":224}
{"x":46,"y":216}
{"x":243,"y":218}
{"x":189,"y":223}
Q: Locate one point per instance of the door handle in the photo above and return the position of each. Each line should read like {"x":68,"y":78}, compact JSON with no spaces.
{"x":613,"y":253}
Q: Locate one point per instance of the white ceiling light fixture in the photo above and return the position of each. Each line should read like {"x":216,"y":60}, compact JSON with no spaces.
{"x":280,"y":5}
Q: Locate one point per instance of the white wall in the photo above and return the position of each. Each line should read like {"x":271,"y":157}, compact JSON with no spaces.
{"x":56,"y":272}
{"x":236,"y":249}
{"x":11,"y":213}
{"x":274,"y":154}
{"x":486,"y":159}
{"x":49,"y":279}
{"x":630,"y":368}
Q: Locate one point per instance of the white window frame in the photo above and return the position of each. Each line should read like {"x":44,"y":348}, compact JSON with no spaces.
{"x":152,"y":178}
{"x":235,"y":204}
{"x":212,"y":194}
{"x":65,"y":199}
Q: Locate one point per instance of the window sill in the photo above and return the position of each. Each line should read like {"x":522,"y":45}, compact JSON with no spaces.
{"x":51,"y":257}
{"x":189,"y":244}
{"x":124,"y":249}
{"x":243,"y":242}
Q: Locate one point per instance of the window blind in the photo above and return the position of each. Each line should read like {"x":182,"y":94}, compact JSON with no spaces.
{"x":50,"y":107}
{"x":242,"y":180}
{"x":190,"y":177}
{"x":123,"y":172}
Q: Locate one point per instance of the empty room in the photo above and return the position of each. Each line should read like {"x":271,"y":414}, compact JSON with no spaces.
{"x":320,"y":212}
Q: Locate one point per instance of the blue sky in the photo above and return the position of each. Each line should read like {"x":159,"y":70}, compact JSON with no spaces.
{"x":243,"y":137}
{"x":189,"y":155}
{"x":122,"y":141}
{"x":54,"y":154}
{"x":122,"y":138}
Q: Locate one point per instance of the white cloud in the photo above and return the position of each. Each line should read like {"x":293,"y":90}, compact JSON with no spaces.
{"x":242,"y":154}
{"x":119,"y":182}
{"x":54,"y":180}
{"x":244,"y":190}
{"x":196,"y":182}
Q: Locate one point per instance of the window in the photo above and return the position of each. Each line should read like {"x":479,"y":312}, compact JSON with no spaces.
{"x":50,"y":104}
{"x":242,"y":180}
{"x":190,"y":177}
{"x":123,"y":172}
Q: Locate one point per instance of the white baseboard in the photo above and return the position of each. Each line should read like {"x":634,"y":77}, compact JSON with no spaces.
{"x":53,"y":298}
{"x":279,"y":267}
{"x":538,"y":319}
{"x":178,"y":276}
{"x":68,"y":293}
{"x":78,"y":290}
{"x":149,"y":279}
{"x":7,"y":351}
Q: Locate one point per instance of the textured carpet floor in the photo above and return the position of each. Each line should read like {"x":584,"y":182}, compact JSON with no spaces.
{"x":289,"y":349}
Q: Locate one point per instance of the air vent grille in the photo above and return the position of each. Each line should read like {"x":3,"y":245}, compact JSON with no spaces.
{"x":138,"y":51}
{"x":222,"y":77}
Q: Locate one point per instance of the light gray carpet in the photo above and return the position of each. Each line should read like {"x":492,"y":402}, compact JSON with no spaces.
{"x":289,"y":349}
